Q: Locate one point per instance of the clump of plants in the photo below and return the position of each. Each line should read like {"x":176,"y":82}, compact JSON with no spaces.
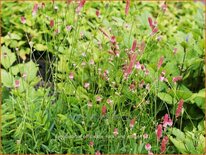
{"x":103,"y":77}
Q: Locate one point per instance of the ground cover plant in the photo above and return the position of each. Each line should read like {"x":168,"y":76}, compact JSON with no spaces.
{"x":86,"y":77}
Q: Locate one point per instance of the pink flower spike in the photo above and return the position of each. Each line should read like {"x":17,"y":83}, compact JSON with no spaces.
{"x":155,"y":30}
{"x":132,"y":86}
{"x":177,"y":78}
{"x":150,"y":153}
{"x":174,"y":50}
{"x":160,"y":62}
{"x":68,"y":28}
{"x":153,"y":26}
{"x":141,"y":84}
{"x":91,"y":62}
{"x":179,"y":108}
{"x":145,"y":136}
{"x":51,"y":23}
{"x":159,"y":131}
{"x":132,"y":123}
{"x":98,"y":99}
{"x":146,"y":72}
{"x":23,"y":20}
{"x":109,"y":101}
{"x":69,"y":1}
{"x":129,"y":68}
{"x":113,"y":40}
{"x":17,"y":84}
{"x":42,"y":5}
{"x":134,"y":45}
{"x":138,"y":66}
{"x":115,"y":132}
{"x":91,"y":143}
{"x":97,"y":153}
{"x":148,"y":147}
{"x":104,"y":110}
{"x":143,"y":67}
{"x":35,"y":9}
{"x":57,"y":31}
{"x":86,"y":85}
{"x":164,"y":7}
{"x":71,"y":76}
{"x":167,"y":121}
{"x":164,"y":144}
{"x":127,"y":7}
{"x":166,"y":118}
{"x":97,"y":13}
{"x":81,"y":4}
{"x":162,"y":78}
{"x":151,"y":23}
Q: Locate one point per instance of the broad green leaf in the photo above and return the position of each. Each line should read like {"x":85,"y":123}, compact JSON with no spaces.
{"x":184,"y":94}
{"x":179,"y":145}
{"x":62,"y":117}
{"x":62,"y":65}
{"x":7,"y":78}
{"x":16,"y":69}
{"x":15,"y":36}
{"x":201,"y":144}
{"x":81,"y":93}
{"x":7,"y":57}
{"x":30,"y":69}
{"x":201,"y":126}
{"x":67,"y":88}
{"x":40,"y":47}
{"x":165,"y":97}
{"x":178,"y":133}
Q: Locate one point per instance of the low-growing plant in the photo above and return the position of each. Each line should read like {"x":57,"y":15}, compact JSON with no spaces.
{"x":103,"y":77}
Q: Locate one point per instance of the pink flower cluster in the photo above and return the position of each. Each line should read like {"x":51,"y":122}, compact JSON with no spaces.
{"x":80,"y":6}
{"x":153,"y":25}
{"x":166,"y":122}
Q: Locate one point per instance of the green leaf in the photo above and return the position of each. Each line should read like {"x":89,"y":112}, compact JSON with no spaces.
{"x":16,"y":69}
{"x":7,"y":78}
{"x":178,"y":133}
{"x":81,"y":93}
{"x":179,"y":145}
{"x":15,"y":36}
{"x":62,"y":117}
{"x":184,"y":93}
{"x":40,"y":47}
{"x":165,"y":97}
{"x":30,"y":69}
{"x":199,"y":99}
{"x":7,"y":57}
{"x":67,"y":88}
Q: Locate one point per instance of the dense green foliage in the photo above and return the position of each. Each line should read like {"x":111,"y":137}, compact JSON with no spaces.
{"x":100,"y":80}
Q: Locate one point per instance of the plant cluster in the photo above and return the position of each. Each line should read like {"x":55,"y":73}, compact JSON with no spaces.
{"x":103,"y":77}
